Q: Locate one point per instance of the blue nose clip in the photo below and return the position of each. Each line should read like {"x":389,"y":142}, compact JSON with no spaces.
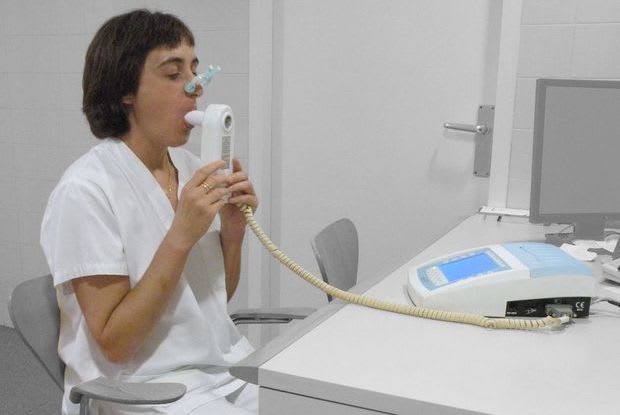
{"x":202,"y":79}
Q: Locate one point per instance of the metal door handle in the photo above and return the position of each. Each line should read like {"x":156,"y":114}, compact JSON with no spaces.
{"x":483,"y":130}
{"x":480,"y":129}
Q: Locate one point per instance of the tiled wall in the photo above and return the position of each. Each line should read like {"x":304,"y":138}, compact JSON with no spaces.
{"x":42,"y":130}
{"x":559,"y":39}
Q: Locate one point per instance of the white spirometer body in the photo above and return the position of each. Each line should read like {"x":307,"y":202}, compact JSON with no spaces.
{"x":218,"y":129}
{"x":512,"y":279}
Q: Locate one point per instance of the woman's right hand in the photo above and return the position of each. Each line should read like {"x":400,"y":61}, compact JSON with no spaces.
{"x":200,"y":200}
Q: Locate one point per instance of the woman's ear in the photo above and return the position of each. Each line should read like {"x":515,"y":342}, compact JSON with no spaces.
{"x":128,"y":100}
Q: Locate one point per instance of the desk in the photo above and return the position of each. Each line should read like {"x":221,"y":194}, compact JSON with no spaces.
{"x":347,"y":359}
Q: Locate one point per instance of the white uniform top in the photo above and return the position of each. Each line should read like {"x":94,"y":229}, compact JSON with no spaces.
{"x":108,"y":215}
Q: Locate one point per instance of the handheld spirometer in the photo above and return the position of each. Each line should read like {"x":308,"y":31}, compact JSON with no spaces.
{"x":513,"y":279}
{"x":218,"y":129}
{"x":495,"y":270}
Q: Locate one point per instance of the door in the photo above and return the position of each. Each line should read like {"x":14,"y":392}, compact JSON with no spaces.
{"x":361,"y":89}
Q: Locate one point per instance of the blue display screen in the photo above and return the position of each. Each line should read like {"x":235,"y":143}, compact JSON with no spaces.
{"x":468,"y":267}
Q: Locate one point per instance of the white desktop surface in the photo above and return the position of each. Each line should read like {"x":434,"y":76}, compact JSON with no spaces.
{"x":400,"y":364}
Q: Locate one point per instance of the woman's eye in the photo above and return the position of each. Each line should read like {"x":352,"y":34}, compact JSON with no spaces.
{"x":174,"y":76}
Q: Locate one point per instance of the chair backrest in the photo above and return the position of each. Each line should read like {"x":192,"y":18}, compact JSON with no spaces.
{"x":337,"y":252}
{"x":35,"y":315}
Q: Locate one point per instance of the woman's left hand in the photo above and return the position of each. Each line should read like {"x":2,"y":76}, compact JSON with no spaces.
{"x":242,"y":192}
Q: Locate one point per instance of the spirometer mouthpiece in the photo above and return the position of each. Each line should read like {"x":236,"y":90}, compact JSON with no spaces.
{"x":201,"y":79}
{"x":195,"y":118}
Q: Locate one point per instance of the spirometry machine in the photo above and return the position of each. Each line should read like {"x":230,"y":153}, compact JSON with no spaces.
{"x":533,"y":280}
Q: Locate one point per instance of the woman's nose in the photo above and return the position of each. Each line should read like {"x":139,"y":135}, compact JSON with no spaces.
{"x":193,"y":87}
{"x":197,"y":91}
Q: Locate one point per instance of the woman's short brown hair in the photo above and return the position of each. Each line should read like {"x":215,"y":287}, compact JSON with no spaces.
{"x":114,"y":62}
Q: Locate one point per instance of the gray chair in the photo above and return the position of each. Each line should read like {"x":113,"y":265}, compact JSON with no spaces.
{"x":336,"y":251}
{"x":35,"y":315}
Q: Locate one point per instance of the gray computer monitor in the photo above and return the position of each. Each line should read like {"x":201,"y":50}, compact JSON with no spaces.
{"x":576,"y":155}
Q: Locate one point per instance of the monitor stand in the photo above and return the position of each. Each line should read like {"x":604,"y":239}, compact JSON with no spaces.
{"x":588,"y":229}
{"x":558,"y":239}
{"x":616,"y":254}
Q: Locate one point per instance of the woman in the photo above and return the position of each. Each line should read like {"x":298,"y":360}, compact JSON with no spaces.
{"x":143,"y":248}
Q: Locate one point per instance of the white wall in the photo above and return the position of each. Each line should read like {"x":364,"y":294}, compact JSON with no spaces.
{"x":42,"y":130}
{"x":361,"y":91}
{"x":42,"y":45}
{"x":559,"y":39}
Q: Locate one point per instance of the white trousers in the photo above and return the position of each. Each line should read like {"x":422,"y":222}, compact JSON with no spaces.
{"x":242,"y":401}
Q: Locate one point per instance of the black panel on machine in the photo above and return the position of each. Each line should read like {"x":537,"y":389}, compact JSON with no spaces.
{"x":537,"y":307}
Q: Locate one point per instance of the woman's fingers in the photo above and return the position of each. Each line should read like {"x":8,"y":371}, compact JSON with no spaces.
{"x":205,"y":172}
{"x":237,"y":177}
{"x":245,"y":199}
{"x":236,"y":165}
{"x":242,"y":187}
{"x":216,"y":195}
{"x":212,"y":182}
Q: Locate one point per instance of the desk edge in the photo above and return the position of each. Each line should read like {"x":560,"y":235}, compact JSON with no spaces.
{"x":247,"y":369}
